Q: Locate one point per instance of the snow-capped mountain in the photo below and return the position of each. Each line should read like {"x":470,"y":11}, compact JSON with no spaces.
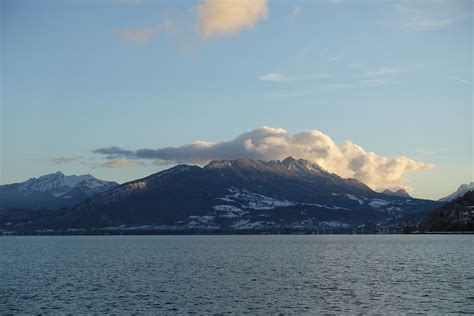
{"x":52,"y":191}
{"x":463,"y":189}
{"x":53,"y":182}
{"x":241,"y":195}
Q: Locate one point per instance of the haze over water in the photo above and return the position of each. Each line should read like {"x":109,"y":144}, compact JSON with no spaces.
{"x":254,"y":274}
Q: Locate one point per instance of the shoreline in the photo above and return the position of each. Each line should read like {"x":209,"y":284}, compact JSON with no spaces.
{"x":105,"y":232}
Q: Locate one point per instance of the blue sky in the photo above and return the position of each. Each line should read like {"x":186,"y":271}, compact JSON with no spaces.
{"x":394,"y":77}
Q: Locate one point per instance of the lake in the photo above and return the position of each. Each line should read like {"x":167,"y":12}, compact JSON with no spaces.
{"x":237,"y":274}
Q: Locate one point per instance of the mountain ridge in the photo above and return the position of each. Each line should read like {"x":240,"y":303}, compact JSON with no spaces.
{"x":241,"y":194}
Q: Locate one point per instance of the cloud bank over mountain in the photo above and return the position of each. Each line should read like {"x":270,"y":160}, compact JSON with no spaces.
{"x":266,"y":143}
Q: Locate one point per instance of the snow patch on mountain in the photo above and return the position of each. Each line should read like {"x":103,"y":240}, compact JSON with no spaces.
{"x":327,"y":207}
{"x":228,"y":211}
{"x":377,"y":203}
{"x":247,"y":224}
{"x":313,"y":223}
{"x":205,"y":221}
{"x":140,"y":185}
{"x":334,"y":224}
{"x":394,"y":209}
{"x":352,"y":197}
{"x":251,"y":200}
{"x":93,"y":183}
{"x":256,"y":201}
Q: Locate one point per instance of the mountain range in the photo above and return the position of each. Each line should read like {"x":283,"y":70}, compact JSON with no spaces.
{"x":52,"y":191}
{"x":237,"y":195}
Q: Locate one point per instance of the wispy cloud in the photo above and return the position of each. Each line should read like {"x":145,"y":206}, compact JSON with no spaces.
{"x":63,"y":160}
{"x":460,"y":79}
{"x":291,"y":94}
{"x":425,"y":151}
{"x":355,"y":84}
{"x":225,"y":18}
{"x":139,"y":35}
{"x":266,"y":143}
{"x":332,"y":59}
{"x":122,"y":163}
{"x":384,"y":71}
{"x":279,"y":77}
{"x":273,"y":76}
{"x":126,"y":1}
{"x":431,"y":14}
{"x":357,"y":65}
{"x":382,"y":76}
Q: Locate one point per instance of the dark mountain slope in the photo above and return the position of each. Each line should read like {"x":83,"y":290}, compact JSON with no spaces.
{"x":240,"y":194}
{"x":457,"y":215}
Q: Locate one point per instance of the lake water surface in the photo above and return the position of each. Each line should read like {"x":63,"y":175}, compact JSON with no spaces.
{"x":239,"y":274}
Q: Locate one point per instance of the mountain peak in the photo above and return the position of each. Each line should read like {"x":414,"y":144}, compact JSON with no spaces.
{"x":288,"y":160}
{"x":308,"y":165}
{"x":463,"y":188}
{"x":466,"y":186}
{"x":54,"y":181}
{"x":218,"y":164}
{"x":399,"y":193}
{"x":240,"y":163}
{"x":54,"y":190}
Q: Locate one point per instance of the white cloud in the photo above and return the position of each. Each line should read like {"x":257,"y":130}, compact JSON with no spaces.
{"x":431,"y":14}
{"x":266,"y":143}
{"x":227,"y":17}
{"x":214,"y":18}
{"x":140,"y":35}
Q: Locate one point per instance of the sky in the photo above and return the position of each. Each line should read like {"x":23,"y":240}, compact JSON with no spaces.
{"x":376,"y":90}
